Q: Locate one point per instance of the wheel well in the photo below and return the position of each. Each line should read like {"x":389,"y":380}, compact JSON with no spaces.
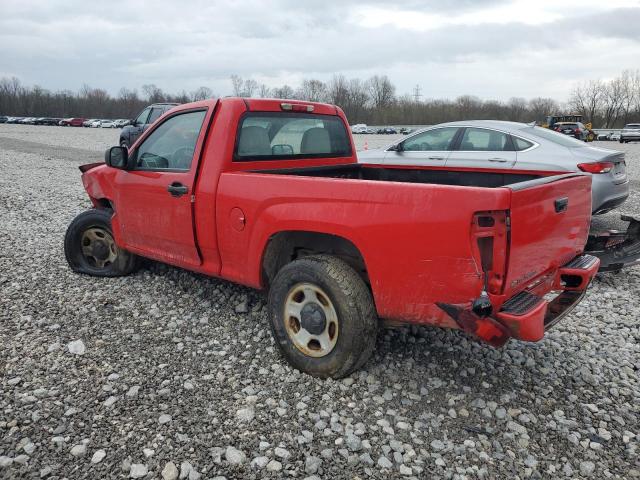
{"x":103,"y":203}
{"x":284,"y":247}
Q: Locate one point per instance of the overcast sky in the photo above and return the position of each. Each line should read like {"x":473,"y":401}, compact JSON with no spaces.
{"x":489,"y":48}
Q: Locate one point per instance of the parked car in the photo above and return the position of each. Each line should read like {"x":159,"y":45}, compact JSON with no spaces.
{"x":107,"y":124}
{"x":27,"y":121}
{"x":87,"y":123}
{"x":630,"y":133}
{"x":614,"y":137}
{"x":359,"y":128}
{"x":387,"y":131}
{"x":14,"y":120}
{"x":250,"y":195}
{"x":509,"y":146}
{"x":131,"y":132}
{"x":405,"y":130}
{"x":603,"y":137}
{"x":3,"y":119}
{"x":72,"y":122}
{"x":573,"y":129}
{"x":47,"y":121}
{"x":95,"y":124}
{"x":121,"y":122}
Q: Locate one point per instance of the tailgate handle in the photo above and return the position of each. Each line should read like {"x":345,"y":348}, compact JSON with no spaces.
{"x":561,"y":204}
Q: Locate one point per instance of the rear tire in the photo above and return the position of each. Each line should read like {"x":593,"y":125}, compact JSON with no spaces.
{"x":90,"y":248}
{"x":330,"y":325}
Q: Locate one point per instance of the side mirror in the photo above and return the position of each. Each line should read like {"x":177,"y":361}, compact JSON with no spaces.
{"x":117,"y":157}
{"x":398,"y":147}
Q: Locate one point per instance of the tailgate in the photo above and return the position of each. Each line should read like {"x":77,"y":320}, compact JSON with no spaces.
{"x":550,"y":220}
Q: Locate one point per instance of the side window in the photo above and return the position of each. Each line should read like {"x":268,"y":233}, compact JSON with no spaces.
{"x":171,"y":145}
{"x":155,"y":114}
{"x":142,"y":118}
{"x":521,"y":144}
{"x":432,"y":140}
{"x":483,"y":140}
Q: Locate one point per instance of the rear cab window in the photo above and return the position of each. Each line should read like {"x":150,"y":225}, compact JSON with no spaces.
{"x":286,"y":135}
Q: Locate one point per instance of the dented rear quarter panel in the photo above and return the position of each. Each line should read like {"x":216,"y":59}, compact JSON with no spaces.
{"x":415,"y":239}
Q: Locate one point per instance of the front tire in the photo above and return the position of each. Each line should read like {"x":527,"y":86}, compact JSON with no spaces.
{"x":322,"y":316}
{"x":90,"y":248}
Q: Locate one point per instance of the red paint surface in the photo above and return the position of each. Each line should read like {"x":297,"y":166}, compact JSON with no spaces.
{"x":418,"y":240}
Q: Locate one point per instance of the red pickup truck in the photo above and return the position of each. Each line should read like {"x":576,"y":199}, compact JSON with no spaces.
{"x":268,"y":193}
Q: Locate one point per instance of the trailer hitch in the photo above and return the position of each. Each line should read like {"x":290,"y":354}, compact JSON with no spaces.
{"x":617,"y":249}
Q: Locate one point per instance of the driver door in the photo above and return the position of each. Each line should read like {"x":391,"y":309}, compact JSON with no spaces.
{"x":153,"y":201}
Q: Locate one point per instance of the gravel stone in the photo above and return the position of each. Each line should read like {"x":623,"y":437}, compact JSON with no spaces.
{"x":169,"y":344}
{"x":98,"y":456}
{"x":138,"y":470}
{"x":274,"y":466}
{"x":78,"y":450}
{"x":587,"y":468}
{"x":164,"y":418}
{"x":170,"y":471}
{"x":76,"y":347}
{"x":235,"y":456}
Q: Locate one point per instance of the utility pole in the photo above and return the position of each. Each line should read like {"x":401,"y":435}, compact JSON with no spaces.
{"x":416,"y":93}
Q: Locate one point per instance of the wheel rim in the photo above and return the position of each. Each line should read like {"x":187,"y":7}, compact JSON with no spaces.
{"x":311,"y":320}
{"x":98,"y":247}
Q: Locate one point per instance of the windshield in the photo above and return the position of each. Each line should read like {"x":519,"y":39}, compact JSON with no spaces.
{"x":552,"y":136}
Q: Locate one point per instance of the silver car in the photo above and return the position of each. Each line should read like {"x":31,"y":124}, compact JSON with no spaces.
{"x":630,"y":133}
{"x":518,"y":147}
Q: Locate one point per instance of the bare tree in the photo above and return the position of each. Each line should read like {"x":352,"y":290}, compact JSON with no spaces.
{"x":250,"y":87}
{"x":153,"y":93}
{"x":517,"y":109}
{"x":312,"y":90}
{"x":283,"y":92}
{"x":237,"y":83}
{"x":586,"y":99}
{"x":201,"y":93}
{"x":381,"y":91}
{"x":540,"y":108}
{"x":264,"y":91}
{"x":338,"y":91}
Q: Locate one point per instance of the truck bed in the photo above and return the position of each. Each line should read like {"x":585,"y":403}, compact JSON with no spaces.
{"x":412,"y":175}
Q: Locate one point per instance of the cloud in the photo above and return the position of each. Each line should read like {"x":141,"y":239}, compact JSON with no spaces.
{"x":490,"y":48}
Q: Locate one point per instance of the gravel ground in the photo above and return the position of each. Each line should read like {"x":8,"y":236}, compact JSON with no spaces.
{"x":169,"y":374}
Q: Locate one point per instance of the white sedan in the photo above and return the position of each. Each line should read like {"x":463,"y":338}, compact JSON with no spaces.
{"x":107,"y":124}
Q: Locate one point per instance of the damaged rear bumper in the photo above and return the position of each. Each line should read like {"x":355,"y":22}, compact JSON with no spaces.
{"x":616,"y":249}
{"x":526,"y":316}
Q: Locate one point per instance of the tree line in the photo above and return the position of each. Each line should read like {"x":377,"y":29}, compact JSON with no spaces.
{"x":374,"y":101}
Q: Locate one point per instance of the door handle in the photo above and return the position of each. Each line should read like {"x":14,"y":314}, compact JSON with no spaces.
{"x":176,"y":189}
{"x":500,"y":160}
{"x":561,"y":204}
{"x":436,"y":158}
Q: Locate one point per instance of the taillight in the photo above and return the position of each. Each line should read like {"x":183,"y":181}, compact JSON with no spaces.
{"x":294,"y":107}
{"x":596,"y":167}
